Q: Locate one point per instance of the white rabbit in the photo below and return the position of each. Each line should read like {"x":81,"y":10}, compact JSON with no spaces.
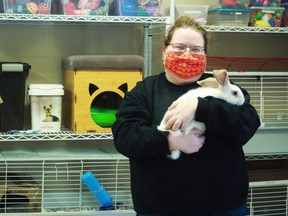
{"x":219,"y":87}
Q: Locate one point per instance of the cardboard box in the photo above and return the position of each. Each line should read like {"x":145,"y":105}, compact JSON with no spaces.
{"x":94,"y":88}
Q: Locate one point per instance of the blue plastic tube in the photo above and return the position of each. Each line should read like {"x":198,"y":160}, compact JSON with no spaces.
{"x":97,"y":189}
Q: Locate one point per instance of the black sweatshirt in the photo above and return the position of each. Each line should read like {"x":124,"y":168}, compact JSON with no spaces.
{"x":212,"y":180}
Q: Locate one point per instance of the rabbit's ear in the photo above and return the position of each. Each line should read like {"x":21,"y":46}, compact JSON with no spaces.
{"x":221,"y":76}
{"x":209,"y":82}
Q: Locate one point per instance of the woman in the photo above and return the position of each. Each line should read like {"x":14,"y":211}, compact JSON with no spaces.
{"x":209,"y":178}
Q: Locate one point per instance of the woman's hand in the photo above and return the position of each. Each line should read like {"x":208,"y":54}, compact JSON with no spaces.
{"x":181,"y":113}
{"x":187,"y":144}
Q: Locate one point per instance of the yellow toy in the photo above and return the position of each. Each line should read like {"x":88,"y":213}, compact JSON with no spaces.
{"x":262,"y":23}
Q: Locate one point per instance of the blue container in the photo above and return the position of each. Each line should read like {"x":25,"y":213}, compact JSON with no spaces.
{"x":97,"y":189}
{"x":129,"y":7}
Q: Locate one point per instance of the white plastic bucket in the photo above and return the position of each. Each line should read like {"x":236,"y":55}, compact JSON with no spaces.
{"x":46,"y":106}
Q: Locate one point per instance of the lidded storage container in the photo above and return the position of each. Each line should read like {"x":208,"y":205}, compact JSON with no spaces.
{"x":13,"y":77}
{"x":267,"y":3}
{"x":284,"y":21}
{"x":266,"y":16}
{"x":197,"y":12}
{"x":229,"y":16}
{"x":46,"y":106}
{"x":27,"y":6}
{"x":234,"y":3}
{"x":140,"y":8}
{"x":85,"y":7}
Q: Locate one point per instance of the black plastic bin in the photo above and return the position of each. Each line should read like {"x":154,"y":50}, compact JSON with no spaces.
{"x":13,"y":77}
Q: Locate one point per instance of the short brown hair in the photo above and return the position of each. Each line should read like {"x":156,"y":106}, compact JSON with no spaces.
{"x":185,"y":22}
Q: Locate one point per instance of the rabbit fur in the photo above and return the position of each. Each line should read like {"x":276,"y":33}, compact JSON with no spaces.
{"x":218,"y":87}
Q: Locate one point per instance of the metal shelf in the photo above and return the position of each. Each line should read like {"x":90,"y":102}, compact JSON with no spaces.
{"x":147,"y":21}
{"x":66,"y":19}
{"x":48,"y":136}
{"x":68,"y":135}
{"x":280,"y":156}
{"x":240,"y":29}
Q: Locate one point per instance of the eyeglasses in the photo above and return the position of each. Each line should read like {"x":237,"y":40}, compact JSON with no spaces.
{"x":179,"y":47}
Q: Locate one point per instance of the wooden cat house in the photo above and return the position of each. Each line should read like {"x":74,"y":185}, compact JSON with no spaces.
{"x":94,"y":87}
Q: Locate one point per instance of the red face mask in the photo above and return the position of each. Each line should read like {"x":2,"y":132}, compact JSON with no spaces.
{"x":185,"y":65}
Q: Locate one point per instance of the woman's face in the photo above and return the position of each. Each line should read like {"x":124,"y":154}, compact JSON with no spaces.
{"x":190,"y":38}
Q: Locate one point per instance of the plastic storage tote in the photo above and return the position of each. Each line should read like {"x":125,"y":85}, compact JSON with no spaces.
{"x":140,"y":8}
{"x":266,"y":16}
{"x":284,"y":21}
{"x":12,"y":94}
{"x":85,"y":7}
{"x":267,"y":3}
{"x":27,"y":7}
{"x":234,"y":3}
{"x":229,"y":16}
{"x":197,"y":12}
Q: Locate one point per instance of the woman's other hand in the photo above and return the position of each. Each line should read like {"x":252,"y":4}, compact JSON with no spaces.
{"x":187,"y":144}
{"x":181,"y":113}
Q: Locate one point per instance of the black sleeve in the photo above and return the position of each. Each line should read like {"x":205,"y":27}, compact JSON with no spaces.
{"x":134,"y":134}
{"x":235,"y":124}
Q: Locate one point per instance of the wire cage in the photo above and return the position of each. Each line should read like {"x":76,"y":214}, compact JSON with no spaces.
{"x":241,"y":64}
{"x":50,"y":186}
{"x":265,"y":79}
{"x":268,"y":198}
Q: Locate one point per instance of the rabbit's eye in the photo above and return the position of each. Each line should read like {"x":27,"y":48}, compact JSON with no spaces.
{"x":235,"y":93}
